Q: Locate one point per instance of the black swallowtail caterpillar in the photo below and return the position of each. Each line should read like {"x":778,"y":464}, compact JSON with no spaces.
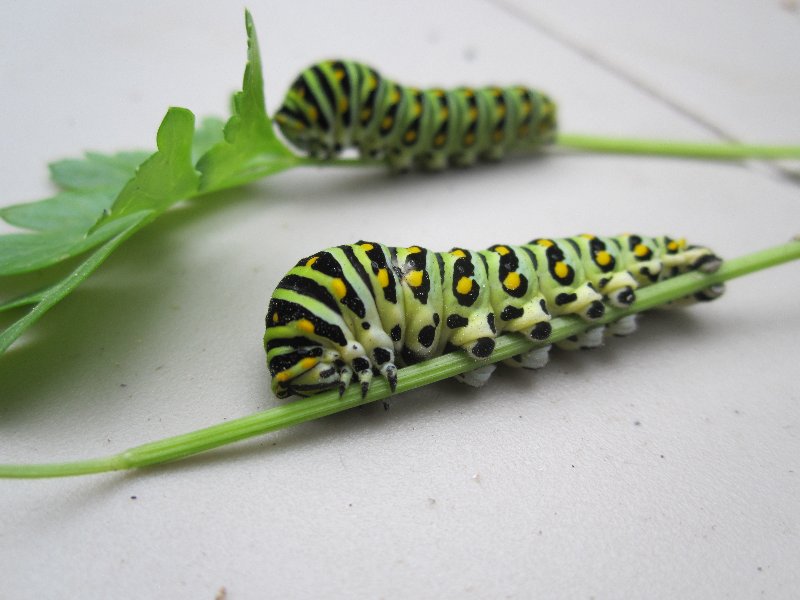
{"x":339,"y":104}
{"x":365,"y":308}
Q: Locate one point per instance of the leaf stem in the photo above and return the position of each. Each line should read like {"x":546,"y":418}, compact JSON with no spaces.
{"x":308,"y":161}
{"x":442,"y":367}
{"x":676,"y":148}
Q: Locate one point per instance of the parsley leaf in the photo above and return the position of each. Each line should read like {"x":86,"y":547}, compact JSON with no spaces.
{"x":104,"y":199}
{"x":250,"y":149}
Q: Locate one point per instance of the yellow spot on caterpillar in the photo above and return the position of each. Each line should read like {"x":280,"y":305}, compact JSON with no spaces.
{"x":440,"y":139}
{"x":343,"y":105}
{"x":501,"y":110}
{"x":310,"y":262}
{"x":560,"y":269}
{"x":339,"y":288}
{"x":308,"y":362}
{"x":305,"y":325}
{"x":444,"y":113}
{"x":587,"y":236}
{"x":414,"y":278}
{"x":301,"y":92}
{"x":366,"y":114}
{"x":641,"y":250}
{"x":339,"y":74}
{"x":387,"y":122}
{"x":366,"y":247}
{"x":410,"y":135}
{"x":469,"y":92}
{"x":526,"y":108}
{"x":502,"y":250}
{"x":438,"y":93}
{"x":283,"y":376}
{"x":395,"y":97}
{"x":417,"y":109}
{"x":383,"y":278}
{"x":281,"y":118}
{"x":312,"y":113}
{"x":473,"y":113}
{"x":512,"y":281}
{"x":603,"y":258}
{"x":672,"y":246}
{"x":275,"y":317}
{"x":545,"y":243}
{"x":414,"y":249}
{"x":458,"y":252}
{"x":469,"y":139}
{"x":464,"y":285}
{"x":372,"y":83}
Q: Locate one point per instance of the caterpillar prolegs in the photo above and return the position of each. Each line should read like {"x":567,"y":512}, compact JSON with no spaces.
{"x":339,"y":104}
{"x":359,"y":310}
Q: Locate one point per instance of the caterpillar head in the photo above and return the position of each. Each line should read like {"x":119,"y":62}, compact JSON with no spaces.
{"x":293,"y":128}
{"x":303,"y":370}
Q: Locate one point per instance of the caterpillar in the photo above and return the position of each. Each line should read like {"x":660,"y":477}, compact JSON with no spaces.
{"x":339,"y":104}
{"x":364,"y":309}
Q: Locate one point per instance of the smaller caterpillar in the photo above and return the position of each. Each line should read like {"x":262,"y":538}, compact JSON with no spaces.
{"x":361,"y":309}
{"x":338,"y":104}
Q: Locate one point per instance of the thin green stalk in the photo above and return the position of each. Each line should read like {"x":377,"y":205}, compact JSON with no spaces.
{"x":677,"y":148}
{"x":308,"y":161}
{"x":307,"y":409}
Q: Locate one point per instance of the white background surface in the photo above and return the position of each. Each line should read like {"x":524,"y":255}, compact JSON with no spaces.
{"x":663,"y":465}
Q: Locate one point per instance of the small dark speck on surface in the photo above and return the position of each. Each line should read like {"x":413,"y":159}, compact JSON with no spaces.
{"x":759,"y":568}
{"x":637,"y":423}
{"x":133,"y":497}
{"x":470,"y":54}
{"x":123,"y":385}
{"x":662,"y":456}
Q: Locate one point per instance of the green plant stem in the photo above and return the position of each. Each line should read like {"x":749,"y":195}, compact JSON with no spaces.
{"x":676,"y":148}
{"x":442,"y":367}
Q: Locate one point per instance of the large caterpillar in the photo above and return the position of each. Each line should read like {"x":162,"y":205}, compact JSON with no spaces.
{"x":365,"y":308}
{"x":338,"y":104}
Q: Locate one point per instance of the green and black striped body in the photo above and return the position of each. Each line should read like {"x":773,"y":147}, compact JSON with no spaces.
{"x":366,"y":308}
{"x":339,"y":104}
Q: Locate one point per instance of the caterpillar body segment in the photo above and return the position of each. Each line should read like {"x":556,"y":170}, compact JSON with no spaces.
{"x":339,"y":104}
{"x":352,"y":312}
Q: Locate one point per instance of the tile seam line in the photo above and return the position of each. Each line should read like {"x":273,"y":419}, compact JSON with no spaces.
{"x":637,"y":83}
{"x":608,"y":66}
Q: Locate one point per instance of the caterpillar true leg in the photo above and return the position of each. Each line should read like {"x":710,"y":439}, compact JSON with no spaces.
{"x":362,"y":309}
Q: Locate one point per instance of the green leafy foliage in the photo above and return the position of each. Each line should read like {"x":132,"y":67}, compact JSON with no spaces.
{"x":165,"y":177}
{"x":250,"y":149}
{"x":104,"y":199}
